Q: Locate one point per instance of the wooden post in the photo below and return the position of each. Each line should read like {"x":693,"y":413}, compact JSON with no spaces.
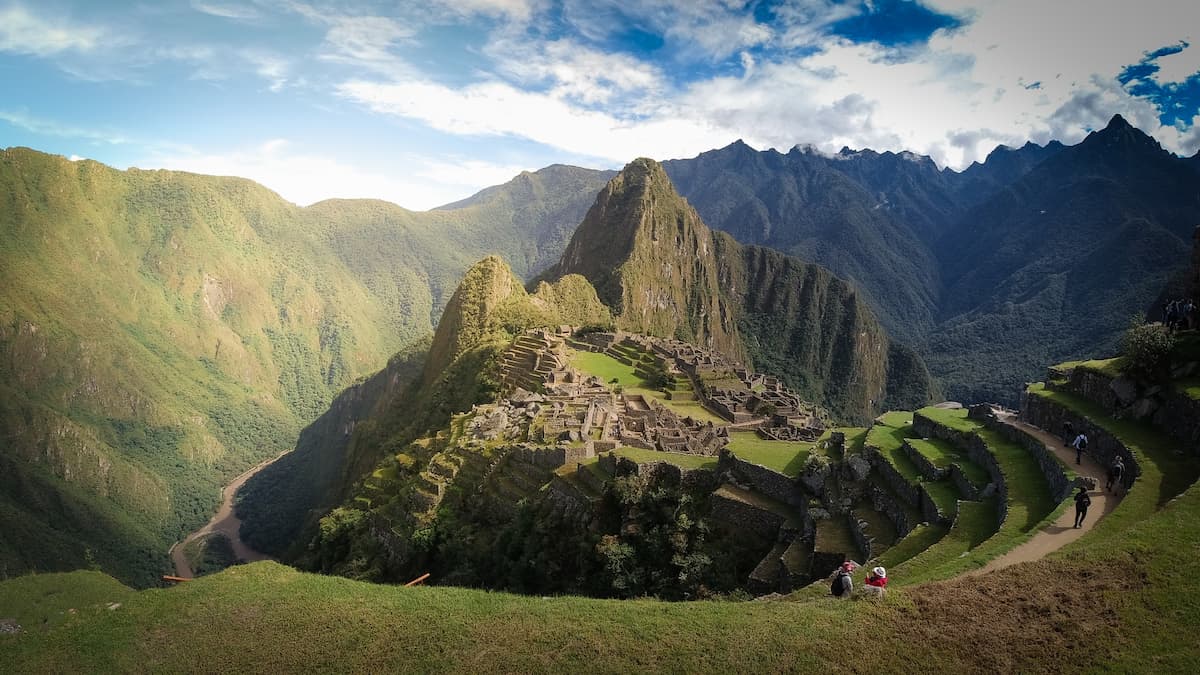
{"x":174,"y":579}
{"x":418,"y":580}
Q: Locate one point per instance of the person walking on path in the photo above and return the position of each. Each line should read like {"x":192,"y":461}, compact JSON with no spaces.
{"x":1082,"y":502}
{"x":1080,"y":444}
{"x":1068,"y":433}
{"x":1115,"y":473}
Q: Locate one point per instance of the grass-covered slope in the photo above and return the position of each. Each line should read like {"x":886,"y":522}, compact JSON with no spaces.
{"x":160,"y":332}
{"x":1125,"y":609}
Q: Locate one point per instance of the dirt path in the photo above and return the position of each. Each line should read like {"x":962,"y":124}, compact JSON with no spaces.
{"x":1062,"y":531}
{"x":225,"y":522}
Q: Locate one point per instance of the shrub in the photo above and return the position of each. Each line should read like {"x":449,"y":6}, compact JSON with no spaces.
{"x":1146,"y":348}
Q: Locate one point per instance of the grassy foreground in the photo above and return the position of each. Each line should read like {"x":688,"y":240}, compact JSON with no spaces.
{"x":1133,"y":605}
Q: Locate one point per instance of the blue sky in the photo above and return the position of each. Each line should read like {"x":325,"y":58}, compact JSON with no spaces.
{"x":425,"y":103}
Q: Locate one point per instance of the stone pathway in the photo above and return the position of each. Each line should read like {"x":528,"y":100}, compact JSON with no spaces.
{"x":1062,"y":531}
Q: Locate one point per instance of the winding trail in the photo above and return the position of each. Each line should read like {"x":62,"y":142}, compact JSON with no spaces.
{"x":1062,"y":531}
{"x":224,"y":522}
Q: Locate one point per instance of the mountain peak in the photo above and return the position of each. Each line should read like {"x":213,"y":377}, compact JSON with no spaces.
{"x":1118,"y":122}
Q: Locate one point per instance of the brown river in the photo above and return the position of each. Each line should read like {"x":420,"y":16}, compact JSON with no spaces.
{"x":224,"y":522}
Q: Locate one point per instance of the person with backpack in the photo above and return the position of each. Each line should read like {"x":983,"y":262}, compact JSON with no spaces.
{"x":843,"y":586}
{"x":1115,"y":473}
{"x":1080,"y":444}
{"x":1082,"y":502}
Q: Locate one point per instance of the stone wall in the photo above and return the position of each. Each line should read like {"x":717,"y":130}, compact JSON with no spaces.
{"x":865,"y":543}
{"x":738,"y":514}
{"x":887,"y":504}
{"x":1103,"y":446}
{"x":1125,"y":398}
{"x":1052,"y":470}
{"x":977,"y":451}
{"x":763,"y":480}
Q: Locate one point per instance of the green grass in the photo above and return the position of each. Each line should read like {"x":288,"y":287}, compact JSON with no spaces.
{"x":976,"y":522}
{"x":920,"y":538}
{"x":679,"y":459}
{"x":1030,"y":504}
{"x":784,"y":457}
{"x":607,"y":369}
{"x":268,"y":617}
{"x":888,"y":436}
{"x":1113,"y":367}
{"x":942,"y":454}
{"x":1189,"y":387}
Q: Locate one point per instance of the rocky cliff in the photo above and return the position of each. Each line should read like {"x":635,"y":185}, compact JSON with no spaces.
{"x":665,"y":273}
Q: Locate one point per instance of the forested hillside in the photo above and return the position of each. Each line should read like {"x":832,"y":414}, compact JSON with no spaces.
{"x":1039,"y":254}
{"x":162,"y":331}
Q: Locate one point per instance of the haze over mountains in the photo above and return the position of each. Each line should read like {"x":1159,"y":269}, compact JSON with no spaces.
{"x":162,"y":331}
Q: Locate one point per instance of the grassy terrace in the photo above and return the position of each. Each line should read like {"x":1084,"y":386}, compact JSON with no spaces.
{"x":976,"y":522}
{"x":1030,"y":504}
{"x":679,"y":459}
{"x":942,"y":454}
{"x":921,"y":538}
{"x":888,"y":436}
{"x":784,"y":457}
{"x":608,"y":369}
{"x":1164,"y":472}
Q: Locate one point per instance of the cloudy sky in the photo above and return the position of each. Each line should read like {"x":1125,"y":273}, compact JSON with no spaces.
{"x":422,"y":103}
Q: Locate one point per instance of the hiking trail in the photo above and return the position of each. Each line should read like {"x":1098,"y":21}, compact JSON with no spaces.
{"x":1062,"y":531}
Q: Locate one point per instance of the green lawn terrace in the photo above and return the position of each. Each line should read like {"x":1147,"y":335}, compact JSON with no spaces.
{"x":979,"y":493}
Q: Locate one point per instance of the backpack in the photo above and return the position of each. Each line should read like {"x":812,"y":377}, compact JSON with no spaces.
{"x":1083,"y":442}
{"x":839,"y":585}
{"x":1083,"y":501}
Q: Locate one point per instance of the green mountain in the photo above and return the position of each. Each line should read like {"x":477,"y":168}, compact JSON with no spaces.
{"x":1054,"y":265}
{"x":653,"y":259}
{"x":162,"y":331}
{"x":417,"y":393}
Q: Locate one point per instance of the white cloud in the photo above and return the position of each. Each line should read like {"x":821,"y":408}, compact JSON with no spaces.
{"x":498,"y":109}
{"x":571,"y":70}
{"x":1179,"y":66}
{"x":305,"y":178}
{"x":23,"y":32}
{"x":238,"y":12}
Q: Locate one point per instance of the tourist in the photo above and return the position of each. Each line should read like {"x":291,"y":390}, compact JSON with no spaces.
{"x":1082,"y":502}
{"x":1080,"y":444}
{"x":1068,"y":432}
{"x":876,"y":583}
{"x":843,"y":586}
{"x":1115,"y":473}
{"x":1188,"y":312}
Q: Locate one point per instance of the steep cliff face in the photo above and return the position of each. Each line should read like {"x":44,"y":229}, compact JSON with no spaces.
{"x":653,"y":261}
{"x":665,"y":273}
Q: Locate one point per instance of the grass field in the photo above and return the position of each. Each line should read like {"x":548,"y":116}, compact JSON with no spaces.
{"x":785,"y":457}
{"x":608,"y":369}
{"x":679,"y":459}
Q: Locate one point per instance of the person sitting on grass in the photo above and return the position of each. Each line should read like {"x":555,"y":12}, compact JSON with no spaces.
{"x":876,"y":583}
{"x":843,"y":586}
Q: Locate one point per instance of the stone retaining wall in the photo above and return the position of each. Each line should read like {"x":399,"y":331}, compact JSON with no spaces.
{"x":1103,"y":446}
{"x":977,"y":451}
{"x":1125,"y":398}
{"x":886,"y":504}
{"x":1052,"y":469}
{"x":764,"y":481}
{"x":738,"y":514}
{"x":865,"y":542}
